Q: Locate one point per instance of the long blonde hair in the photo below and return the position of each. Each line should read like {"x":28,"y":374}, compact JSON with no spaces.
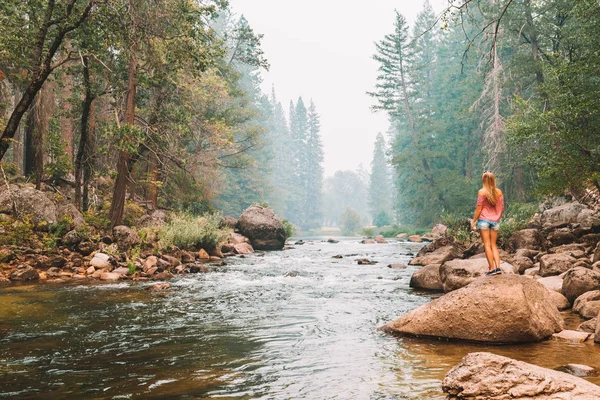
{"x":489,"y":187}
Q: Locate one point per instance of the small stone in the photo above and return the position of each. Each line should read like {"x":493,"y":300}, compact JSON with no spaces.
{"x":110,"y":276}
{"x":331,"y":240}
{"x":380,"y":239}
{"x":187,"y":257}
{"x":100,"y":261}
{"x":97,"y":274}
{"x":580,"y":370}
{"x":158,"y":287}
{"x":397,"y":266}
{"x":121,"y":270}
{"x":152,"y":271}
{"x":79,"y":277}
{"x":162,"y":276}
{"x":173,"y":261}
{"x":243,"y":248}
{"x":338,"y":256}
{"x":571,"y":336}
{"x":24,"y":273}
{"x":196,"y":268}
{"x":366,"y":261}
{"x":149,"y":263}
{"x":90,"y":270}
{"x":203,"y":254}
{"x":415,"y":239}
{"x":367,"y":241}
{"x":180,"y":269}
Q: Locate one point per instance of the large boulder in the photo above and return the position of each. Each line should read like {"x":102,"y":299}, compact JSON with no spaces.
{"x":561,"y":215}
{"x":492,"y":377}
{"x":521,"y":264}
{"x":553,"y":283}
{"x":496,"y":309}
{"x":264,"y":229}
{"x":427,"y":277}
{"x":438,"y":256}
{"x":556,"y":264}
{"x":28,"y":200}
{"x":559,"y":300}
{"x":125,"y":237}
{"x":578,"y":281}
{"x":561,"y":237}
{"x":68,"y":211}
{"x":439,"y":230}
{"x":587,"y":218}
{"x":456,"y":274}
{"x":527,"y":239}
{"x":588,"y":304}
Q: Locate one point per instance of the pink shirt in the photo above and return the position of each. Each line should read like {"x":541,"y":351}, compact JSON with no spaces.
{"x":490,"y":212}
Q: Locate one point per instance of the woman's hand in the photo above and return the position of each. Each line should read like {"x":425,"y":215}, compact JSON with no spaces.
{"x":473,"y":224}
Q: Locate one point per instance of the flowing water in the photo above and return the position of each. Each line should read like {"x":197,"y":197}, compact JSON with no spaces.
{"x":280,"y":325}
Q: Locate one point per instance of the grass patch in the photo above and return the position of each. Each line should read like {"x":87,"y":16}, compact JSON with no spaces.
{"x":192,"y":233}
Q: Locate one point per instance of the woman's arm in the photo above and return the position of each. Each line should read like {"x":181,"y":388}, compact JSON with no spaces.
{"x":476,"y":216}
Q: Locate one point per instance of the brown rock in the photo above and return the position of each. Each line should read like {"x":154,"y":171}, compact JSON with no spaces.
{"x":149,"y":262}
{"x":380,"y":239}
{"x":597,"y":331}
{"x":580,"y":370}
{"x":559,"y":300}
{"x":203,"y":255}
{"x":367,"y":241}
{"x":110,"y":276}
{"x":527,"y":253}
{"x":553,"y":283}
{"x":173,"y":261}
{"x":24,"y":273}
{"x":397,"y":266}
{"x":264,"y":229}
{"x":57,"y":261}
{"x":90,"y":270}
{"x":121,"y":271}
{"x":365,"y":261}
{"x":162,"y":276}
{"x":456,"y":274}
{"x":196,"y":268}
{"x":527,"y":239}
{"x":415,"y":238}
{"x":489,"y":376}
{"x":438,"y":256}
{"x":578,"y":281}
{"x":97,"y":274}
{"x":427,"y":277}
{"x":159,"y":287}
{"x":187,"y":257}
{"x":216,"y":253}
{"x":588,"y":304}
{"x":151,"y":270}
{"x":564,"y":214}
{"x":571,"y":336}
{"x":561,"y":236}
{"x":79,"y":277}
{"x":521,"y":264}
{"x":243,"y":248}
{"x":556,"y":264}
{"x":86,"y":248}
{"x":228,"y":222}
{"x":125,"y":237}
{"x":588,"y":326}
{"x":596,"y":255}
{"x":493,"y":309}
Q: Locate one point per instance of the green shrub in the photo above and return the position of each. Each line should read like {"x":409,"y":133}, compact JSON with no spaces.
{"x":132,"y":213}
{"x":350,"y":222}
{"x":191,"y":233}
{"x":17,"y":232}
{"x":368,"y":232}
{"x":515,"y":218}
{"x":382,"y":219}
{"x":289,"y":229}
{"x":459,"y":227}
{"x":408,"y":229}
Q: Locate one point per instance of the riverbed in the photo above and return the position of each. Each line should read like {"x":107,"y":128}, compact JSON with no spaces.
{"x":294,"y":324}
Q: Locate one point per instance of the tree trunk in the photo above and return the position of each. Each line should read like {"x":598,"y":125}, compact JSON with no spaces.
{"x":66,"y":121}
{"x":118,"y":200}
{"x":18,"y":141}
{"x":28,"y":151}
{"x":88,"y":158}
{"x":533,"y":39}
{"x":83,"y":139}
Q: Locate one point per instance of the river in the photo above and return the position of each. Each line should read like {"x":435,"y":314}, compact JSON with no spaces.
{"x":294,"y":324}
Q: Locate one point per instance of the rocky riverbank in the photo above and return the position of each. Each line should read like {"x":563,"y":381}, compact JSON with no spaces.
{"x":553,"y":265}
{"x":46,"y":239}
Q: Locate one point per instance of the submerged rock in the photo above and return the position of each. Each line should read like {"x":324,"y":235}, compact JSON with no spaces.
{"x":495,"y":309}
{"x":492,"y":377}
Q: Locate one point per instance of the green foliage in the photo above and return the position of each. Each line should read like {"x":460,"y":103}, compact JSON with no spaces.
{"x":515,"y":218}
{"x":18,"y":232}
{"x":350,"y":222}
{"x":98,"y":218}
{"x":408,"y":229}
{"x":369,"y":232}
{"x":132,"y":213}
{"x":56,"y":232}
{"x":289,"y":229}
{"x":190,"y":232}
{"x":59,"y":163}
{"x":459,"y":227}
{"x":381,"y":219}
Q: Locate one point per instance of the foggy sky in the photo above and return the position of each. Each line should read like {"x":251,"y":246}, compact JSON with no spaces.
{"x":322,"y":49}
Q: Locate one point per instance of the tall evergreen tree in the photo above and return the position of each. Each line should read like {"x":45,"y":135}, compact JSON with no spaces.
{"x":380,"y":185}
{"x":314,"y":172}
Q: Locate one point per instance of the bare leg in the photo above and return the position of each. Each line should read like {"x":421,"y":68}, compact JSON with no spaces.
{"x":487,"y":245}
{"x":495,"y":251}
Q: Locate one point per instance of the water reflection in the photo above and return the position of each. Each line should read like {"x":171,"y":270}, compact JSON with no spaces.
{"x":251,"y":330}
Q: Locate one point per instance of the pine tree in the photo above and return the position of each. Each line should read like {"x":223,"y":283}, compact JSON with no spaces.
{"x":314,"y":173}
{"x":380,"y":186}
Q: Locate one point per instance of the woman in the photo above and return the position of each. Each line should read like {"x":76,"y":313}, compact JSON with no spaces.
{"x":490,"y":206}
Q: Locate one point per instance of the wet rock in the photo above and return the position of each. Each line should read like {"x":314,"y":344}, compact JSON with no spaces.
{"x":24,"y":273}
{"x":588,"y":304}
{"x":365,"y":261}
{"x":125,"y":237}
{"x":494,"y":309}
{"x":216,"y":253}
{"x":578,"y":281}
{"x":438,"y":256}
{"x":588,"y":326}
{"x":427,"y":277}
{"x":197,"y":268}
{"x":580,"y":370}
{"x":101,"y":261}
{"x":556,"y":264}
{"x":367,"y":241}
{"x":159,"y":287}
{"x":527,"y":239}
{"x":553,"y":283}
{"x":162,"y":276}
{"x":380,"y":239}
{"x":299,"y":242}
{"x":243,"y":248}
{"x":110,"y":276}
{"x":90,"y":270}
{"x":331,"y":240}
{"x":79,"y":277}
{"x":397,"y":266}
{"x":489,"y":376}
{"x":187,"y":257}
{"x":227,"y":248}
{"x":571,"y":336}
{"x":415,"y":239}
{"x":456,"y":274}
{"x":180,"y":269}
{"x":338,"y":256}
{"x":402,"y":236}
{"x":264,"y":229}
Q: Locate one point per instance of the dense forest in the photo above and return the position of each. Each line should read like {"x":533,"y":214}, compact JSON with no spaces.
{"x":509,"y":86}
{"x":160,"y":103}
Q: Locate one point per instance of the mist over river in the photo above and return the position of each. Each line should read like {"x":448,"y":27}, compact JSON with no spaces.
{"x":279,"y":325}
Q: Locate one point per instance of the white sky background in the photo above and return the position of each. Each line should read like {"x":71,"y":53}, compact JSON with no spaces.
{"x":322,"y":50}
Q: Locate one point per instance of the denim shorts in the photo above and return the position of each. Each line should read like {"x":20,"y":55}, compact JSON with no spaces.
{"x":485,"y":225}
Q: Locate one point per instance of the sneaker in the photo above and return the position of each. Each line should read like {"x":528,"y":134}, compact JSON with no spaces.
{"x":494,"y":272}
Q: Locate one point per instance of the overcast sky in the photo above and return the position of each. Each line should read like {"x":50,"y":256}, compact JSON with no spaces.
{"x":322,"y":50}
